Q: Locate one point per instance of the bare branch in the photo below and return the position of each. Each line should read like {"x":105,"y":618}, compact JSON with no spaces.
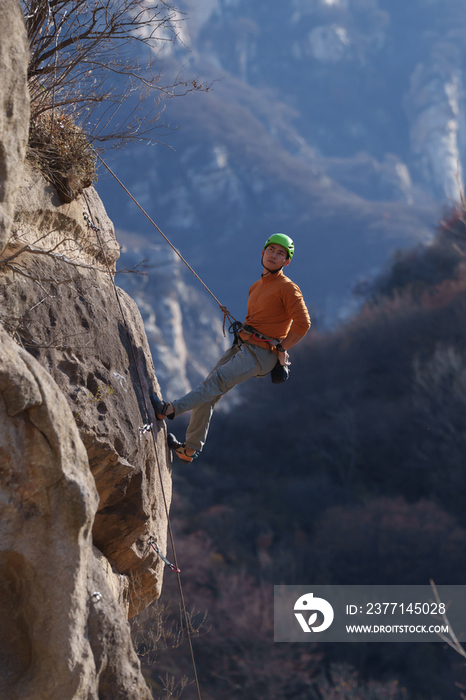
{"x":93,"y":63}
{"x":136,"y":270}
{"x":452,"y":640}
{"x":57,"y":256}
{"x":75,"y":45}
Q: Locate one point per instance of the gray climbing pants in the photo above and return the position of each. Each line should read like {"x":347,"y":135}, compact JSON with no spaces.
{"x":235,"y":366}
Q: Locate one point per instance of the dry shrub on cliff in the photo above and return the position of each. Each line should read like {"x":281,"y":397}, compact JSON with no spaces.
{"x":87,"y":53}
{"x":60,"y":149}
{"x":92,"y":65}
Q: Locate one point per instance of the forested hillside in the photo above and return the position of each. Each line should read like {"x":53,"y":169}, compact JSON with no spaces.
{"x":352,"y":472}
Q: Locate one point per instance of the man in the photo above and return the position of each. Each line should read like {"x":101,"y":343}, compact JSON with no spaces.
{"x":277,"y":319}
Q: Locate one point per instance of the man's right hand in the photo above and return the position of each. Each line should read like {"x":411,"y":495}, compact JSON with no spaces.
{"x":284,"y":358}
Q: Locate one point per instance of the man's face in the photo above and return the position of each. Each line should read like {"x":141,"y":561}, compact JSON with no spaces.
{"x":275,"y":256}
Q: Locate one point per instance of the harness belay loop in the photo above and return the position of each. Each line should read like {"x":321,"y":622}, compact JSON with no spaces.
{"x":237,"y":326}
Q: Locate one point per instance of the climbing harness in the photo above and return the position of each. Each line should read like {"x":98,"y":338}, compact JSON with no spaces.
{"x":156,"y":548}
{"x":174,"y":567}
{"x":280,"y":373}
{"x":237,"y":326}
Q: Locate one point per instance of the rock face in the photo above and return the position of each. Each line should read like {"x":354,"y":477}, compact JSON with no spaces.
{"x":434,"y":107}
{"x":84,"y":486}
{"x":14,"y":109}
{"x":63,"y":634}
{"x":59,"y":301}
{"x":75,"y":468}
{"x":85,"y":339}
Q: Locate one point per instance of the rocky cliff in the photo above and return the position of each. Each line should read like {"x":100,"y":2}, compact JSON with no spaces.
{"x":14,"y":111}
{"x":82,"y":489}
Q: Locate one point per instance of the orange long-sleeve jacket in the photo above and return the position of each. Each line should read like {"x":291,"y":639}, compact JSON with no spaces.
{"x":275,"y":304}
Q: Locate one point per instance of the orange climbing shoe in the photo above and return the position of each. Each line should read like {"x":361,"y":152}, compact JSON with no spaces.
{"x":180,"y":449}
{"x":160,"y":407}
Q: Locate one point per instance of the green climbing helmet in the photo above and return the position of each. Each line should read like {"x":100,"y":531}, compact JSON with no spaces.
{"x":283,"y":240}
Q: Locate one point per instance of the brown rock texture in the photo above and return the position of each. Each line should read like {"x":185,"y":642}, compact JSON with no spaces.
{"x":14,"y":109}
{"x":63,"y":634}
{"x":57,"y":298}
{"x":82,"y":488}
